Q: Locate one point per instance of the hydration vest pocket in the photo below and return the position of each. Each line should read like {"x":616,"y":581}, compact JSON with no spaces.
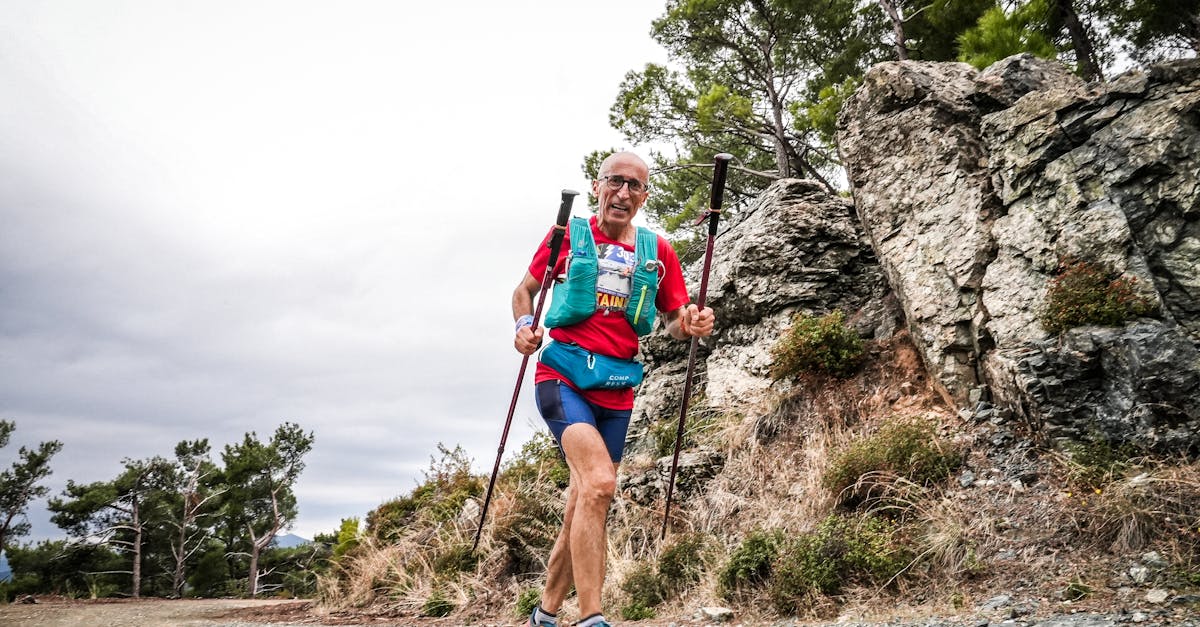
{"x":646,"y":277}
{"x":575,"y":299}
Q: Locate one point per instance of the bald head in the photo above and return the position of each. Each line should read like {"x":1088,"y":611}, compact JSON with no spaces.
{"x":623,"y":158}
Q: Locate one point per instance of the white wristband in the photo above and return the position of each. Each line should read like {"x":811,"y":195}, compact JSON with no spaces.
{"x":524,"y":321}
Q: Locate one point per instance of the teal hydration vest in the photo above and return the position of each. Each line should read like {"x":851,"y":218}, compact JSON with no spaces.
{"x":575,"y":299}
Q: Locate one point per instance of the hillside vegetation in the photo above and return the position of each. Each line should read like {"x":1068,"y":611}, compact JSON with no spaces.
{"x":863,"y":495}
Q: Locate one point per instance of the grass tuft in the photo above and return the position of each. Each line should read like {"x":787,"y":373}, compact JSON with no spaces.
{"x":906,"y":447}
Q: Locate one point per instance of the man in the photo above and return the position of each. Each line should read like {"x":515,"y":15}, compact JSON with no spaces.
{"x":590,"y":424}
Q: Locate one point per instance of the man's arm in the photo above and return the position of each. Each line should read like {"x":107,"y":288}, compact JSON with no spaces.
{"x":527,"y":340}
{"x":690,"y":321}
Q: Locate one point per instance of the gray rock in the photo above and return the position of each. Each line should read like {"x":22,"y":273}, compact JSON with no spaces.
{"x":1154,"y":560}
{"x":996,"y":603}
{"x":1078,"y":620}
{"x":974,"y":187}
{"x":917,"y":164}
{"x":797,"y":249}
{"x":1157,"y":596}
{"x":717,"y":614}
{"x":695,"y":469}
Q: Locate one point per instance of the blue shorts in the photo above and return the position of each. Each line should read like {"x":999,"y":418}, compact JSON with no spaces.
{"x":562,"y":406}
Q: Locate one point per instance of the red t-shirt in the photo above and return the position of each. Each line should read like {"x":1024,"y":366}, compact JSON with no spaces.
{"x":607,"y":331}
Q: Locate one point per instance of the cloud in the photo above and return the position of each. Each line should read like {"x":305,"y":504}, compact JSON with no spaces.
{"x":221,"y":217}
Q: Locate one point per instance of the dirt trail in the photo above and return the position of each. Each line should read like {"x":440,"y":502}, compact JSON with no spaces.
{"x":150,"y":613}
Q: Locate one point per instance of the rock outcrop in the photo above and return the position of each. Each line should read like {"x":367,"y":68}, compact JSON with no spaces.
{"x":797,"y":249}
{"x":975,"y":186}
{"x":970,"y":189}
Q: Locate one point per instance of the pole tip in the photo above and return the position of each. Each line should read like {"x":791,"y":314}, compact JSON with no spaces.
{"x":724,"y":156}
{"x":569,"y":192}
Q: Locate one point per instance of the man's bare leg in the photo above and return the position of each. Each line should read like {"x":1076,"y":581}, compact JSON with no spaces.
{"x":580,"y":548}
{"x":558,"y":570}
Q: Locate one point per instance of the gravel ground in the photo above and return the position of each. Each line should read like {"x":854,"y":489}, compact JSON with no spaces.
{"x":288,"y":613}
{"x":141,"y":613}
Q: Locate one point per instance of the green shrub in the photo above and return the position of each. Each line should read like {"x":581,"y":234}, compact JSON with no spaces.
{"x":750,"y":563}
{"x":907,"y":447}
{"x":642,"y":587}
{"x":1095,"y":462}
{"x":636,"y":611}
{"x":437,"y":605}
{"x":538,"y":461}
{"x":448,"y":484}
{"x":643,"y":591}
{"x":1084,"y":293}
{"x":841,"y":550}
{"x":817,"y":345}
{"x":681,"y":564}
{"x":527,"y":600}
{"x":347,"y":537}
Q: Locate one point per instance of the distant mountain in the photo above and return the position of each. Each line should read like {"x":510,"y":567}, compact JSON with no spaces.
{"x":289,"y":541}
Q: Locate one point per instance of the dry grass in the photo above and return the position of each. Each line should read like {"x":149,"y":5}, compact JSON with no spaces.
{"x":969,"y":543}
{"x":1158,"y":504}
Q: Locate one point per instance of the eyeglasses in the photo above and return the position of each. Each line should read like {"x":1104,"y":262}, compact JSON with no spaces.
{"x":615,"y":182}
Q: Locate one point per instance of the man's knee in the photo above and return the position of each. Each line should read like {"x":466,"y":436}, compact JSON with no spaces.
{"x":599,"y":487}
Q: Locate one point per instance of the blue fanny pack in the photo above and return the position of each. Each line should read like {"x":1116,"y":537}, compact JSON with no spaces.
{"x":591,"y":371}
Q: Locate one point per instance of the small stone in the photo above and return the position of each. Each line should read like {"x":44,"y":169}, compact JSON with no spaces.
{"x":1138,"y":573}
{"x":966,"y":479}
{"x":975,"y":395}
{"x":997,"y":602}
{"x":1157,"y":595}
{"x":718,"y":614}
{"x":1154,"y":560}
{"x":1140,"y":617}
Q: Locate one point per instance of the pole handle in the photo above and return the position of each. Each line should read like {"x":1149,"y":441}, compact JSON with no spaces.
{"x":564,"y":209}
{"x":720,"y":171}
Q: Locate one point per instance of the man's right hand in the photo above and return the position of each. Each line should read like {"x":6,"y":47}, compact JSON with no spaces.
{"x":527,"y":340}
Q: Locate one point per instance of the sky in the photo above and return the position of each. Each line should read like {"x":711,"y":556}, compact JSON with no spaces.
{"x":219,"y":216}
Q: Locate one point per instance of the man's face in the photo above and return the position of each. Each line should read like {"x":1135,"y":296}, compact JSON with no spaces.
{"x":618,"y":206}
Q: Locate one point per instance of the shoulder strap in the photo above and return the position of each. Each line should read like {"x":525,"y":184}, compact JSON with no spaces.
{"x":581,"y":235}
{"x":647,"y":245}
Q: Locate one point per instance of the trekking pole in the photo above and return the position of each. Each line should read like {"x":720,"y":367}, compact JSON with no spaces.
{"x":556,"y":238}
{"x":721,"y":165}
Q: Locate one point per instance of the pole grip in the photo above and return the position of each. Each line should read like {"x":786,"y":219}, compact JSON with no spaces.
{"x":555,"y":244}
{"x":564,"y":210}
{"x":717,"y":198}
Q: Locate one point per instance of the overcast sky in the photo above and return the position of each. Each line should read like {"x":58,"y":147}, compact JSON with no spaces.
{"x":219,"y":216}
